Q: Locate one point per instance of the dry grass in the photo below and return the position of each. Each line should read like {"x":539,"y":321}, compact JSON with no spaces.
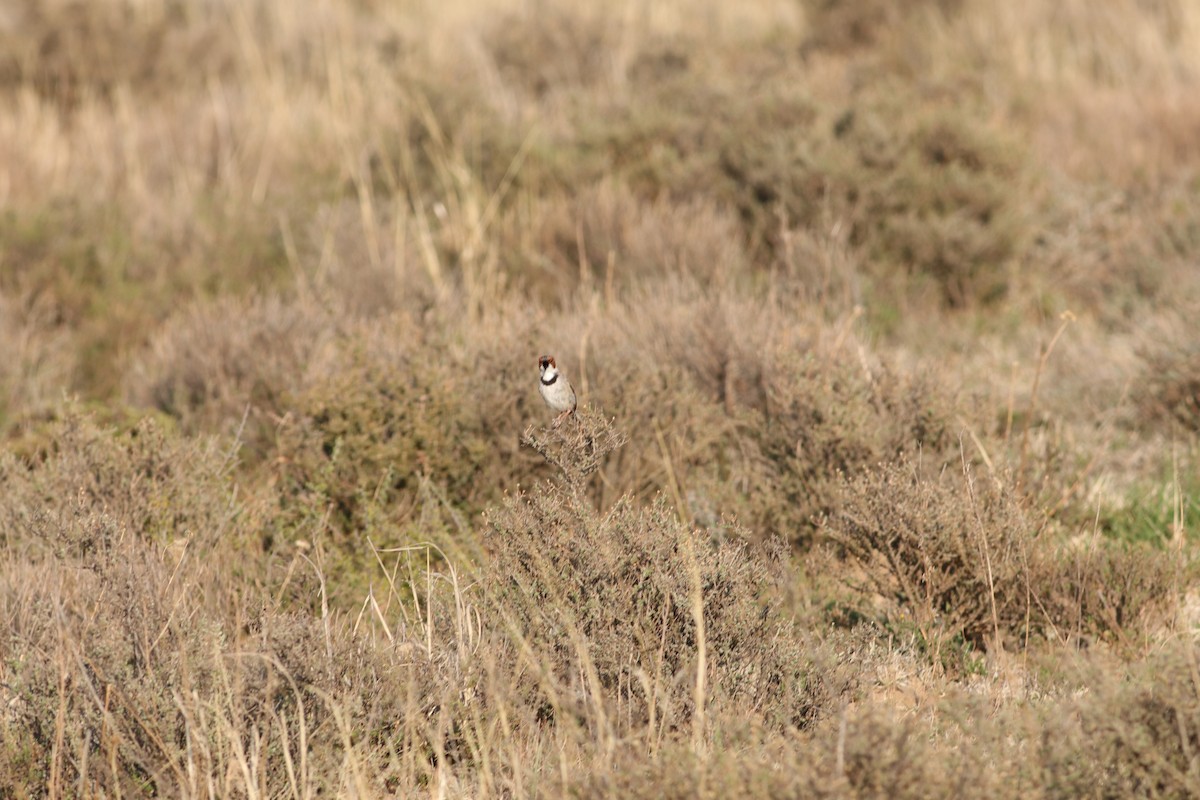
{"x":848,"y":509}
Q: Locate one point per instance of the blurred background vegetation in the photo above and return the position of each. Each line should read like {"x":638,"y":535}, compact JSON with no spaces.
{"x":893,"y":303}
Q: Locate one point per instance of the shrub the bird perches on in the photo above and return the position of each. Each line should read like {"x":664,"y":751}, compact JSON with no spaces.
{"x":576,"y":450}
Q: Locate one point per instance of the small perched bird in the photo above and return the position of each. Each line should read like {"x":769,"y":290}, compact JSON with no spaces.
{"x":556,"y":390}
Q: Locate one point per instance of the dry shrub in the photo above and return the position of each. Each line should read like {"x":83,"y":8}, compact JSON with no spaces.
{"x":105,"y":285}
{"x":577,"y":447}
{"x":765,"y":165}
{"x":133,"y":661}
{"x":735,"y":143}
{"x":160,"y":159}
{"x":39,"y":359}
{"x":823,"y":270}
{"x":379,"y":426}
{"x":1127,"y":256}
{"x":740,"y":407}
{"x":951,"y":554}
{"x":1170,"y":386}
{"x":61,"y":254}
{"x":1109,"y":591}
{"x":1142,"y":48}
{"x":1099,"y":252}
{"x":69,"y":49}
{"x":606,"y":236}
{"x":562,"y":50}
{"x":393,"y":441}
{"x":376,"y":263}
{"x":98,"y":659}
{"x":936,"y":193}
{"x":877,"y":752}
{"x":143,"y":477}
{"x":1131,"y":732}
{"x":846,"y":25}
{"x":925,"y":188}
{"x":698,"y":336}
{"x":122,"y":675}
{"x":863,"y":753}
{"x":961,"y":559}
{"x":1125,"y":731}
{"x":625,"y":617}
{"x":823,"y":421}
{"x":215,"y":362}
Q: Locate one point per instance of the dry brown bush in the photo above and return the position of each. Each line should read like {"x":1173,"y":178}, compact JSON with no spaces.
{"x":135,"y":660}
{"x":363,"y":421}
{"x":954,"y":556}
{"x":395,"y":437}
{"x":608,"y":238}
{"x":141,"y":477}
{"x":738,"y":407}
{"x":865,"y":753}
{"x":126,"y":673}
{"x":1170,"y":386}
{"x":1120,"y":734}
{"x":96,"y":274}
{"x":367,"y":438}
{"x":921,"y":185}
{"x":68,"y":50}
{"x":565,"y":49}
{"x":933,"y":192}
{"x":960,"y":559}
{"x":852,"y":24}
{"x":1119,"y":593}
{"x":40,"y":360}
{"x":1129,"y":732}
{"x":216,"y":365}
{"x":823,"y":422}
{"x":632,"y":619}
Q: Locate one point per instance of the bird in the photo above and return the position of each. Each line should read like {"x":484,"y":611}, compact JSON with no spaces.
{"x":556,"y":390}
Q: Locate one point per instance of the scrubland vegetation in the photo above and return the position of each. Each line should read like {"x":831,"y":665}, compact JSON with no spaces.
{"x":883,"y":320}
